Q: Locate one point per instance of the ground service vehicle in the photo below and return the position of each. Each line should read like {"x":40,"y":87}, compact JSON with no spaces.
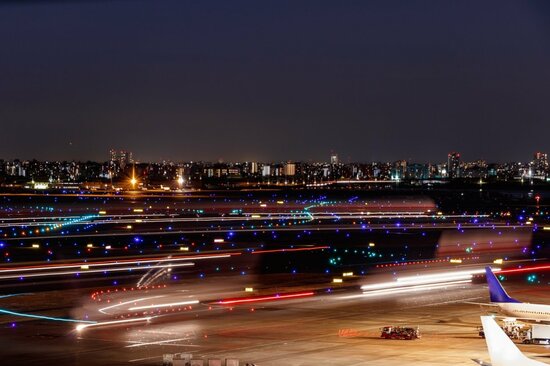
{"x":538,"y":334}
{"x":393,"y":332}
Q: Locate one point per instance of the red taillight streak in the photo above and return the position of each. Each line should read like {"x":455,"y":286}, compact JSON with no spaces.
{"x":524,"y":269}
{"x":264,"y":298}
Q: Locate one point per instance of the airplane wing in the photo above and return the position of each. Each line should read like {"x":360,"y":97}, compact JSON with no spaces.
{"x":502,"y":350}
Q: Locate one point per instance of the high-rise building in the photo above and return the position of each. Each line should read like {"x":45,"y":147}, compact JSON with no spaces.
{"x":334,"y":159}
{"x":122,"y":157}
{"x":453,"y":165}
{"x":290,"y":169}
{"x":399,"y":170}
{"x":253,"y":168}
{"x":540,"y":165}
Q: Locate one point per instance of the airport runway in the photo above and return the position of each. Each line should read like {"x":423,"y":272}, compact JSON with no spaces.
{"x":331,"y":329}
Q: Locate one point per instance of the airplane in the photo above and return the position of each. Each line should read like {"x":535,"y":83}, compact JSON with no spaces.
{"x":502,"y":351}
{"x":532,"y":313}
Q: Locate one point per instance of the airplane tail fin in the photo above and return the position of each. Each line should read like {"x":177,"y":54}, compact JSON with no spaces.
{"x":496,"y":291}
{"x":502,"y":350}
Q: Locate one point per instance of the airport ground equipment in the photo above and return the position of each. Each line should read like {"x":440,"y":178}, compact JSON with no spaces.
{"x":394,"y":332}
{"x":537,"y":334}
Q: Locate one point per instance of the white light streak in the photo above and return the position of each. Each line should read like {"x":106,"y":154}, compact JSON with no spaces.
{"x":191,"y":302}
{"x":103,"y":310}
{"x":116,"y":269}
{"x":400,"y":290}
{"x":81,"y":327}
{"x":424,"y":280}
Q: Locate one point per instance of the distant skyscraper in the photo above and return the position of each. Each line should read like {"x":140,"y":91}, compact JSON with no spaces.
{"x":122,"y":157}
{"x":334,"y":159}
{"x":540,"y":165}
{"x":253,"y":168}
{"x":399,"y":170}
{"x":290,"y":169}
{"x":453,"y":165}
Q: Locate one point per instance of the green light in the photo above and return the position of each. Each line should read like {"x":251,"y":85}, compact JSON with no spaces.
{"x":532,"y":278}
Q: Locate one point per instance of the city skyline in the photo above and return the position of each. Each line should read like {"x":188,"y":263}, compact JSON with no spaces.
{"x":332,"y":158}
{"x":376,"y":81}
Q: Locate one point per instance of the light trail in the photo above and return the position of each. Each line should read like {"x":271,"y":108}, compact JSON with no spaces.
{"x":424,"y":280}
{"x":141,"y":344}
{"x":523,"y":269}
{"x":405,"y":289}
{"x":44,"y":317}
{"x":11,"y":295}
{"x":343,"y":226}
{"x":48,"y":267}
{"x":191,"y":302}
{"x":81,"y":327}
{"x":264,"y":298}
{"x":103,"y":310}
{"x":289,"y":250}
{"x":84,"y":271}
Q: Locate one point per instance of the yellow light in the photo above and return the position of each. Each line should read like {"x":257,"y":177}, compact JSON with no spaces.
{"x":249,"y":289}
{"x":347,"y":274}
{"x":85,"y":266}
{"x":371,"y":244}
{"x":133,"y":181}
{"x":456,"y":261}
{"x":128,"y":226}
{"x":337,"y":280}
{"x":546,"y":228}
{"x":102,"y":212}
{"x":185,"y":249}
{"x":138,"y":210}
{"x":108,"y":247}
{"x":255,"y":216}
{"x":280,"y":202}
{"x":263,"y":205}
{"x":139,"y":220}
{"x":218,"y":240}
{"x":36,"y":246}
{"x":498,"y":261}
{"x":90,"y":245}
{"x":180,"y":180}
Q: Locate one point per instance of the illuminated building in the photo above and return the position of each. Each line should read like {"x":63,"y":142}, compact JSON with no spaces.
{"x":121,"y":158}
{"x":290,"y":169}
{"x":453,"y":165}
{"x":539,"y":165}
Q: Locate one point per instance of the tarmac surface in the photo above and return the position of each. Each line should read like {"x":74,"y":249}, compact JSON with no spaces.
{"x":341,"y":328}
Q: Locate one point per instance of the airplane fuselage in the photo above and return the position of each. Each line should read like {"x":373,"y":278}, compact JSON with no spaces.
{"x":525,"y":311}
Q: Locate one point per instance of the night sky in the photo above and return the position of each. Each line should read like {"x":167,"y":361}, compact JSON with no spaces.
{"x":275,"y":80}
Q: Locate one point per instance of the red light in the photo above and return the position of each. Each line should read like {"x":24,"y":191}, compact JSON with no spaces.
{"x":524,"y":269}
{"x":265,"y":298}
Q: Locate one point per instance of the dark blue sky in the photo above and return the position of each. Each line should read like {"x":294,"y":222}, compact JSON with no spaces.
{"x":275,"y":80}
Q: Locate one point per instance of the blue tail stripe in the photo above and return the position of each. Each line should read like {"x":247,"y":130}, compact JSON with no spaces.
{"x":496,"y":291}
